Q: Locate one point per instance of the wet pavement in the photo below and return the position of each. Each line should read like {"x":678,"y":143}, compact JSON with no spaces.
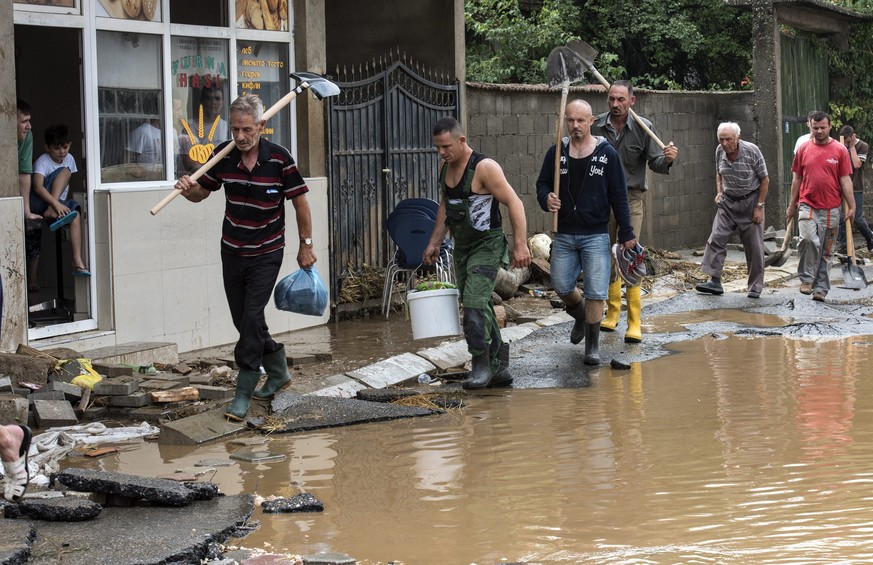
{"x":737,"y":433}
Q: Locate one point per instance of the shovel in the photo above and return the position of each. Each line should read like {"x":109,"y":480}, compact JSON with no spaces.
{"x":320,"y":86}
{"x":587,"y":54}
{"x":562,"y":67}
{"x":853,"y":275}
{"x":778,"y":258}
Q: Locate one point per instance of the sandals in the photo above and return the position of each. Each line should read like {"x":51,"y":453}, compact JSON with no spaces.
{"x":16,"y":473}
{"x":81,"y":272}
{"x":63,"y":220}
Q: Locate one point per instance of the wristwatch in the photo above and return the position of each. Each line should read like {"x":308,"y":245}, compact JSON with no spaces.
{"x":760,"y":204}
{"x":306,"y":240}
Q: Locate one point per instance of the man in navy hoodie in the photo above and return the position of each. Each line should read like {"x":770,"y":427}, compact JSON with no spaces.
{"x":591,"y":184}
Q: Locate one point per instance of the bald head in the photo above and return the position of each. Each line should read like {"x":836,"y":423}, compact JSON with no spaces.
{"x":579,"y":120}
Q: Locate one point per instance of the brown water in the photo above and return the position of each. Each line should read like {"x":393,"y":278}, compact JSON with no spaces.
{"x":742,"y":450}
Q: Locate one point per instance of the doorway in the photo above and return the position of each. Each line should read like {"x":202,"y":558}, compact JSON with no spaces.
{"x":48,"y":68}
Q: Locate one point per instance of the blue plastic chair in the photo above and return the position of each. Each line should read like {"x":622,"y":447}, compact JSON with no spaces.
{"x":410,"y":227}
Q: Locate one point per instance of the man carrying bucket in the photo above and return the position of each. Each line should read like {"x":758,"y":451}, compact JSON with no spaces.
{"x":472,"y":187}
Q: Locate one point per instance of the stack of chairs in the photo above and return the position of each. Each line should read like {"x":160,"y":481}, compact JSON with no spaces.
{"x":410,"y":226}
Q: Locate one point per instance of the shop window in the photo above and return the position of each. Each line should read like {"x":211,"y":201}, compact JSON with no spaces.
{"x":262,"y":69}
{"x":140,"y":10}
{"x":200,"y":12}
{"x":130,"y":104}
{"x":200,"y":99}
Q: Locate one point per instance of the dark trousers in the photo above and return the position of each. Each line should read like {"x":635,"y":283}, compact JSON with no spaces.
{"x":248,"y":285}
{"x":857,"y":222}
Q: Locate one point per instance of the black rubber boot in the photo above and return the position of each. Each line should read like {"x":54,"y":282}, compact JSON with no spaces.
{"x":480,"y":373}
{"x":246,"y":381}
{"x":592,"y":344}
{"x":577,"y":334}
{"x":503,"y":377}
{"x":276,"y":366}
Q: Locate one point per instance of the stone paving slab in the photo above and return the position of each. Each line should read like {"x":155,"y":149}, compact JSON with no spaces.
{"x":200,"y":428}
{"x":341,"y":386}
{"x":513,"y":333}
{"x":447,"y":355}
{"x":301,"y":413}
{"x":558,"y":318}
{"x":393,"y":370}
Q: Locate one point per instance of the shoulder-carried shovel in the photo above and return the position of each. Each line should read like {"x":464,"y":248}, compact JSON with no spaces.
{"x":853,"y":275}
{"x":562,"y":68}
{"x":320,"y":86}
{"x":587,"y":54}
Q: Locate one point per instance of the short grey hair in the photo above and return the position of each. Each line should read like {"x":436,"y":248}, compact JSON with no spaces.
{"x":248,"y":104}
{"x":733,"y":126}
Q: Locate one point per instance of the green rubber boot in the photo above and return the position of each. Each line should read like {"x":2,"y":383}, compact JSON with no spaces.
{"x":276,"y":366}
{"x":246,"y":381}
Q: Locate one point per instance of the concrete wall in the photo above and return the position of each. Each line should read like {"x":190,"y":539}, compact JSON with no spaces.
{"x":516,"y":125}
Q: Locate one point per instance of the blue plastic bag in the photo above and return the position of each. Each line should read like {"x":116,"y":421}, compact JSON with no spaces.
{"x":301,"y":292}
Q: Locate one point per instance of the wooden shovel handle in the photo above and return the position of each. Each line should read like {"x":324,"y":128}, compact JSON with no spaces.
{"x":850,"y":243}
{"x":269,"y":113}
{"x":633,"y":114}
{"x":556,"y":187}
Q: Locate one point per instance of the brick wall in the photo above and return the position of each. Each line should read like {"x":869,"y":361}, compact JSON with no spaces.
{"x":515,"y":125}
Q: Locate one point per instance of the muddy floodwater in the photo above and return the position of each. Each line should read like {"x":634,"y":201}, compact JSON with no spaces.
{"x":732,"y":449}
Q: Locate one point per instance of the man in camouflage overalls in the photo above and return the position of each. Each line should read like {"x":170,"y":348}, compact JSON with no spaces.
{"x":472,"y":188}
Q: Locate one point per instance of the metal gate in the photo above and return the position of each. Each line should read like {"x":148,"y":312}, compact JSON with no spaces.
{"x":380,"y":152}
{"x":804,"y":88}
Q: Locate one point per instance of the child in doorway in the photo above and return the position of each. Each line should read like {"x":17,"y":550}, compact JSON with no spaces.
{"x":49,"y":196}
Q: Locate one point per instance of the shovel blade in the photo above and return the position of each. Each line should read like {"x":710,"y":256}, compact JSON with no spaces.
{"x":778,"y":258}
{"x":853,"y":277}
{"x":564,"y":67}
{"x":585,"y":52}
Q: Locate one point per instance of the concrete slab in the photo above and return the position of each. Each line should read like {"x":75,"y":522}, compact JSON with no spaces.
{"x":15,"y":540}
{"x":340,"y":386}
{"x":46,"y":395}
{"x":138,"y":399}
{"x":513,"y":333}
{"x":303,"y":502}
{"x":393,"y":370}
{"x":186,"y":534}
{"x":200,"y":428}
{"x":214,"y":392}
{"x":54,"y":413}
{"x":555,"y":319}
{"x":248,"y":455}
{"x":294,"y":413}
{"x":71,"y":391}
{"x":135,"y":353}
{"x":447,"y":355}
{"x":13,"y":409}
{"x":112,"y":369}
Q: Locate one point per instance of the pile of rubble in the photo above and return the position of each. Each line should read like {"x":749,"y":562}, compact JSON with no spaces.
{"x":58,"y":388}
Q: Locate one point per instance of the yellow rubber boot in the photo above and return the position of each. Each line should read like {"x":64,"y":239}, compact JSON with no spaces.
{"x":613,"y":307}
{"x":634,"y":330}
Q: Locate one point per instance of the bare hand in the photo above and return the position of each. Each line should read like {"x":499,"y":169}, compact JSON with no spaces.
{"x":306,"y":256}
{"x":670,"y":152}
{"x":758,"y":215}
{"x":521,"y":256}
{"x":630,"y":244}
{"x":553,"y":203}
{"x":790,"y":212}
{"x":431,"y":254}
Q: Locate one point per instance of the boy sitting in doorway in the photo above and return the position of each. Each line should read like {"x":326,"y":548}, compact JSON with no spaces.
{"x":49,"y":198}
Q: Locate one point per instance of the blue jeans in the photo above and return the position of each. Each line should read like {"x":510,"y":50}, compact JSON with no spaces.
{"x":588,"y":254}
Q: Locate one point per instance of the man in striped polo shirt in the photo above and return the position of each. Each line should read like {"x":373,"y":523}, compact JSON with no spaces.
{"x":258,"y":176}
{"x":741,"y":184}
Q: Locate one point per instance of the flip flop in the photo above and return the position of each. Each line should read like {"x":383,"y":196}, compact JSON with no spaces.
{"x":63,"y":220}
{"x":16,"y":472}
{"x":81,"y":272}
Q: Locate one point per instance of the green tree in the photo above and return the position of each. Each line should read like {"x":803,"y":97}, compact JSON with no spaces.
{"x":691,"y":44}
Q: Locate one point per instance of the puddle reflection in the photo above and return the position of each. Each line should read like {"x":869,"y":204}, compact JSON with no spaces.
{"x":744,"y":449}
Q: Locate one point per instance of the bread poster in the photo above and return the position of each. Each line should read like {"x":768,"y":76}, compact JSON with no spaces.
{"x":268,"y":15}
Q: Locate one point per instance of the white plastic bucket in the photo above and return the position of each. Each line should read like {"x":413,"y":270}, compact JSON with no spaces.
{"x":434,"y":312}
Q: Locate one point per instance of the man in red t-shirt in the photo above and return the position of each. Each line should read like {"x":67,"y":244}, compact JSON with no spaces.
{"x":822,"y":180}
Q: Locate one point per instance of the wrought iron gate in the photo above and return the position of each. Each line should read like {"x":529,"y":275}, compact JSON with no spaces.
{"x":380,"y":152}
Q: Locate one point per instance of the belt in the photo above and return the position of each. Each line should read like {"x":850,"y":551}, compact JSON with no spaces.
{"x":738,"y":198}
